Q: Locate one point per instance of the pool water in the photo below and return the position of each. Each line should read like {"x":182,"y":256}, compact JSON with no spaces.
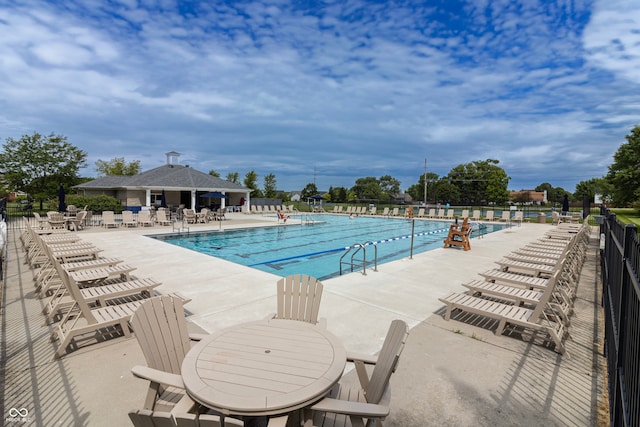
{"x":315,"y":247}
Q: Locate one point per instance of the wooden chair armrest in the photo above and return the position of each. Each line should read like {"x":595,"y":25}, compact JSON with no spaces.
{"x":278,"y":421}
{"x":197,"y":337}
{"x":157,"y":376}
{"x":365,"y":358}
{"x":336,"y":406}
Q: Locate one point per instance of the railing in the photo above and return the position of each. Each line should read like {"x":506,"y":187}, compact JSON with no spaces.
{"x":352,"y":261}
{"x":621,"y":300}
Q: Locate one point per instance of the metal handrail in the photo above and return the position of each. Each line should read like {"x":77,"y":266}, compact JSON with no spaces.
{"x":354,"y":250}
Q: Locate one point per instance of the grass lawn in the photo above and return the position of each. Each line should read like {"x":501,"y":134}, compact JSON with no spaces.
{"x":627,"y":216}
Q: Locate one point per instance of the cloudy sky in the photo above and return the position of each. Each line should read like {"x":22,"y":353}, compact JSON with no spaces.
{"x":328,"y":90}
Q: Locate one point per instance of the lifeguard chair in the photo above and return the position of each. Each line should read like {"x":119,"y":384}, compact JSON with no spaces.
{"x":459,"y":236}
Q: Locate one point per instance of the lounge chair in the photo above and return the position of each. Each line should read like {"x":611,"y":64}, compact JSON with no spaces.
{"x":506,"y":216}
{"x":421,"y":213}
{"x":476,"y":215}
{"x":441,"y":214}
{"x":161,"y":217}
{"x":144,"y":218}
{"x":82,"y":320}
{"x":298,"y":298}
{"x":465,"y":213}
{"x":432,"y":213}
{"x":97,"y":295}
{"x":450,"y":213}
{"x":490,"y":216}
{"x":385,"y":212}
{"x":160,"y":326}
{"x":42,"y":222}
{"x":370,"y":400}
{"x":507,"y":314}
{"x":395,"y":212}
{"x":518,"y":217}
{"x":109,"y":219}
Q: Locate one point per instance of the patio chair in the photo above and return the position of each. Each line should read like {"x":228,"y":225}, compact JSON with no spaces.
{"x":506,"y":216}
{"x":144,"y":218}
{"x":160,"y":326}
{"x":299,"y":298}
{"x":535,"y":319}
{"x":109,"y":219}
{"x":465,"y":213}
{"x":56,"y":219}
{"x":42,"y":222}
{"x":432,"y":213}
{"x":77,"y":223}
{"x":370,"y":400}
{"x":189,"y":216}
{"x":476,"y":215}
{"x":161,"y":217}
{"x":128,"y":220}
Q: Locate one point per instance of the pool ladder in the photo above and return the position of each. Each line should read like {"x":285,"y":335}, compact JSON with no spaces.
{"x":352,"y":261}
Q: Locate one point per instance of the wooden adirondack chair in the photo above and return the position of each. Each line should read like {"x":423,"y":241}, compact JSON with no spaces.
{"x":146,"y":418}
{"x":160,"y":326}
{"x":370,"y":400}
{"x":299,"y":298}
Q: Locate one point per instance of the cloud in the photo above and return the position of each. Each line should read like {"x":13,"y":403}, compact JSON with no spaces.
{"x":333,"y":90}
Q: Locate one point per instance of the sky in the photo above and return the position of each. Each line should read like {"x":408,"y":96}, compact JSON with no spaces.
{"x":327,"y":92}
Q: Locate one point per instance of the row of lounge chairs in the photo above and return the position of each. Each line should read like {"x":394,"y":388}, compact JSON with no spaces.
{"x":447,"y":214}
{"x":298,"y":298}
{"x":532,"y":289}
{"x":272,"y":209}
{"x":85,"y":296}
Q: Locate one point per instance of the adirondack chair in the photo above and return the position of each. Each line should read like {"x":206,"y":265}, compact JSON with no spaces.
{"x":370,"y":400}
{"x":299,"y":298}
{"x":189,"y":216}
{"x":77,"y":223}
{"x":160,"y":326}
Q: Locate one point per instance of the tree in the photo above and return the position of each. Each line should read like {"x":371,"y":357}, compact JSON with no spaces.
{"x":624,"y":172}
{"x":367,"y":188}
{"x":309,"y":190}
{"x":390,"y":187}
{"x":481,"y":182}
{"x":214,"y":173}
{"x":117,"y":167}
{"x":233,"y":177}
{"x":416,"y":191}
{"x":592,"y":187}
{"x":270,"y":189}
{"x":39,"y":164}
{"x":250,"y":181}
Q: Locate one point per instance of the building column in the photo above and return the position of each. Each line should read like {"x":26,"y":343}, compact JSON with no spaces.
{"x":148,"y":201}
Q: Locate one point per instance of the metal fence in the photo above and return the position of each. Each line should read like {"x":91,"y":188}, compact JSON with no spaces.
{"x":621,"y":300}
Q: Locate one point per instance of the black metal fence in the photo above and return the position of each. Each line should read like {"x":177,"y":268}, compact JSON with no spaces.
{"x":621,"y":300}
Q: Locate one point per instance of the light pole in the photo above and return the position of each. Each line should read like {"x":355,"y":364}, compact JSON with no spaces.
{"x":425,"y":182}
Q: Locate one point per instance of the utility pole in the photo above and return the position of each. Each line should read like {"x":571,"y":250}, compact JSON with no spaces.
{"x":425,"y":182}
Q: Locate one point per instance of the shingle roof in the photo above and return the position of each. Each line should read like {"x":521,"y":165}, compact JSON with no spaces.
{"x":165,"y":177}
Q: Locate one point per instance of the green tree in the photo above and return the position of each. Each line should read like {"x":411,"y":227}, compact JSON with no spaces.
{"x":233,"y":177}
{"x":416,"y":191}
{"x":212,"y":172}
{"x":446,"y":192}
{"x":480,"y":182}
{"x":117,"y":167}
{"x":38,"y":164}
{"x":624,"y":172}
{"x":270,"y":186}
{"x":367,"y":188}
{"x":309,"y":190}
{"x":251,"y":181}
{"x":390,"y":187}
{"x":592,"y":187}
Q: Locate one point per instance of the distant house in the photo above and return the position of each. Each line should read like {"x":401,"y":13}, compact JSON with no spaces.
{"x":182,"y":185}
{"x":295,"y":196}
{"x":528,"y":197}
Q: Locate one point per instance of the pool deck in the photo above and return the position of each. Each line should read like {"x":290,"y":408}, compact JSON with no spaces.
{"x":451,"y":373}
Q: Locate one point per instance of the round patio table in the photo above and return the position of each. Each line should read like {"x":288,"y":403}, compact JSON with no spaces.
{"x":269,"y":367}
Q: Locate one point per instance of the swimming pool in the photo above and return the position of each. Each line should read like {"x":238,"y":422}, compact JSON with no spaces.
{"x":316,"y":246}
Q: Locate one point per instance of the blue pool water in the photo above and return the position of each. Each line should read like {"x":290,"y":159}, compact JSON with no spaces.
{"x":316,"y":248}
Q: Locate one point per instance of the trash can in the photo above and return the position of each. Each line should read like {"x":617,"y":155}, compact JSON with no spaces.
{"x":542,"y":218}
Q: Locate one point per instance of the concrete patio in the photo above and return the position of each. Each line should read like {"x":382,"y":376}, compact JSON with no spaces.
{"x":455,"y":373}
